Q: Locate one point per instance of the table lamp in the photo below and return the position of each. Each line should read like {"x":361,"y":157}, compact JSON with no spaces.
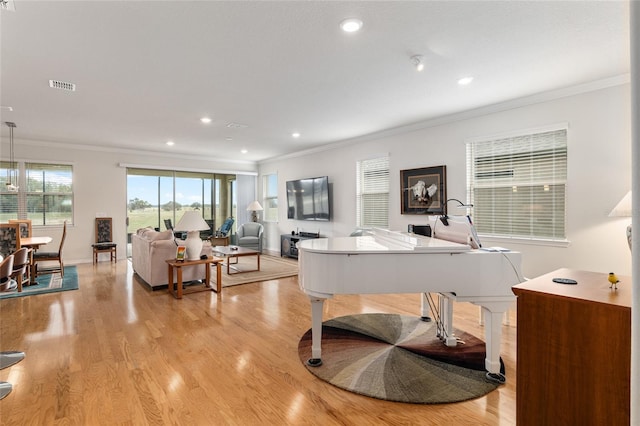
{"x":192,"y":223}
{"x":254,"y":207}
{"x":623,"y":209}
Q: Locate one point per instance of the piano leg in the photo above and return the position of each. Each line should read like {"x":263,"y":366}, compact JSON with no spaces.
{"x":424,"y":307}
{"x":316,"y":332}
{"x":493,"y":335}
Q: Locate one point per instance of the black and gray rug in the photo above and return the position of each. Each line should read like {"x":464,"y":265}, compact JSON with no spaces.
{"x":398,"y":358}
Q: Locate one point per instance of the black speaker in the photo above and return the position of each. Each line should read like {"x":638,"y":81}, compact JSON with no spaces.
{"x":422,"y":230}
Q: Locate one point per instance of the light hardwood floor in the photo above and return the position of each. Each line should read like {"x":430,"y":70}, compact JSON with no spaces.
{"x":115,"y":353}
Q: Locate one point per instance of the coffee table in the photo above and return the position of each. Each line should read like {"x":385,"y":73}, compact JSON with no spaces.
{"x":231,"y":252}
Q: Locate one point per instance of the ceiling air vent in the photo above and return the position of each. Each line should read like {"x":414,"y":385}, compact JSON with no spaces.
{"x":62,"y":85}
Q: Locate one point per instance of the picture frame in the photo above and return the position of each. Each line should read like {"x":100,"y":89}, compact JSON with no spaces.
{"x":423,"y":190}
{"x":180,"y":253}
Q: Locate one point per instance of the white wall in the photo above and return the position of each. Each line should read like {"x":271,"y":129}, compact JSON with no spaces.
{"x":599,"y":175}
{"x":100,"y":186}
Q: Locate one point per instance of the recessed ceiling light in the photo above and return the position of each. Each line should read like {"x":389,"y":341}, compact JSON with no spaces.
{"x":244,"y":150}
{"x":205,"y":120}
{"x":170,"y":143}
{"x":418,"y":62}
{"x":465,"y":80}
{"x":351,"y":25}
{"x":295,"y":135}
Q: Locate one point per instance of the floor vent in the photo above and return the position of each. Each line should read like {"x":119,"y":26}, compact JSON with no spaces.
{"x":62,"y":85}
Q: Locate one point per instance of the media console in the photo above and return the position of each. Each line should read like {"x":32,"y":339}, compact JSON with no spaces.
{"x":288,"y":243}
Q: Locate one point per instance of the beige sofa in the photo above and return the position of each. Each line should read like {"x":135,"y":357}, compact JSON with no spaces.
{"x":150,"y":249}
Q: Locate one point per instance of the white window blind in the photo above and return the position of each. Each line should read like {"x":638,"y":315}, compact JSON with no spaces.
{"x":372,"y":192}
{"x":517,"y":185}
{"x":45,"y":196}
{"x":270,"y":197}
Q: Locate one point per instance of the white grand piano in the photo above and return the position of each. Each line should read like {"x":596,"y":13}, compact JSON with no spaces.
{"x":384,"y":261}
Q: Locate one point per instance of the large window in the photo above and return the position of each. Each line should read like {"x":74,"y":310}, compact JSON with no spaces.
{"x":159,"y":196}
{"x":270,"y":197}
{"x":517,"y":185}
{"x":372,"y":192}
{"x":45,"y":193}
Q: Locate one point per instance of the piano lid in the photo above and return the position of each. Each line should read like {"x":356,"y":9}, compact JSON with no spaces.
{"x":382,"y":241}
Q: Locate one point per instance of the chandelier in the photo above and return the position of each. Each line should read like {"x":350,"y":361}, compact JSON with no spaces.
{"x":12,"y":173}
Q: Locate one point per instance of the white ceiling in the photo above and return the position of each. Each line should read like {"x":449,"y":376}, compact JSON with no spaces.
{"x":147,"y":71}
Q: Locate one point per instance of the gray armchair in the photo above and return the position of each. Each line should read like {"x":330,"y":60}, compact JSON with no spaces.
{"x":249,"y":235}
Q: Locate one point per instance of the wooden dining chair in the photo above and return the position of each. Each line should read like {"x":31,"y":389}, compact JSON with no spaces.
{"x":6,"y":268}
{"x":26,"y":229}
{"x":44,"y":256}
{"x":9,"y":238}
{"x":104,"y":239}
{"x":21,"y":265}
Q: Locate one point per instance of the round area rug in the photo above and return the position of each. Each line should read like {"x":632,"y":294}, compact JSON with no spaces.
{"x":398,"y":358}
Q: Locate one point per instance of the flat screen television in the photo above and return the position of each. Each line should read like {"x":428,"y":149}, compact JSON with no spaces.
{"x":308,"y":199}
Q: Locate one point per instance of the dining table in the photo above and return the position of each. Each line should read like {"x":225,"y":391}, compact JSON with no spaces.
{"x":34,"y":244}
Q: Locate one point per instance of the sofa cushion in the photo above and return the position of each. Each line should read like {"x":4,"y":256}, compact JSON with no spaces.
{"x":163,"y":235}
{"x":140,"y":232}
{"x":153,"y":235}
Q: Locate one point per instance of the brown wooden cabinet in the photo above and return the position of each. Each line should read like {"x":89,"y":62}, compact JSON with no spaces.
{"x":219,"y":241}
{"x":574,"y":350}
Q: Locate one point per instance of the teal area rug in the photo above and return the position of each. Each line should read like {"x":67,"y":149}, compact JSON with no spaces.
{"x":50,"y":283}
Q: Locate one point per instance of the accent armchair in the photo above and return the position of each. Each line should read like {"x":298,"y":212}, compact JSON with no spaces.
{"x":249,"y":235}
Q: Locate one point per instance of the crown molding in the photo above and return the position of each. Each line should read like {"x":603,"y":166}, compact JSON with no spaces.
{"x":466,"y":115}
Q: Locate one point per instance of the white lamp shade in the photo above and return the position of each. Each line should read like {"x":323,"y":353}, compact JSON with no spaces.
{"x":254,"y":206}
{"x":191,"y":221}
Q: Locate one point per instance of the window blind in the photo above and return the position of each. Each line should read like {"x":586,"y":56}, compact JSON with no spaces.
{"x":270,"y":199}
{"x":517,"y":185}
{"x":372,"y":192}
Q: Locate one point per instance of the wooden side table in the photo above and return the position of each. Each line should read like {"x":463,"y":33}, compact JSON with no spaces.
{"x":179,"y":264}
{"x":573,"y":351}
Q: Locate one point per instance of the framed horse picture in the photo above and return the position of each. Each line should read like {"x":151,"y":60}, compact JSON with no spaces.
{"x":423,"y":191}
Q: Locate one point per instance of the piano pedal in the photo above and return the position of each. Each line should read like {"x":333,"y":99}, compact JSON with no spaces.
{"x":425,"y":319}
{"x":314,"y":362}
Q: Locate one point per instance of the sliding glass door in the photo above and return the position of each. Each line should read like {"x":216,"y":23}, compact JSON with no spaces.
{"x":159,"y":198}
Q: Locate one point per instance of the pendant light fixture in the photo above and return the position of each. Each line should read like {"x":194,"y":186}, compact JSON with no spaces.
{"x":12,"y":174}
